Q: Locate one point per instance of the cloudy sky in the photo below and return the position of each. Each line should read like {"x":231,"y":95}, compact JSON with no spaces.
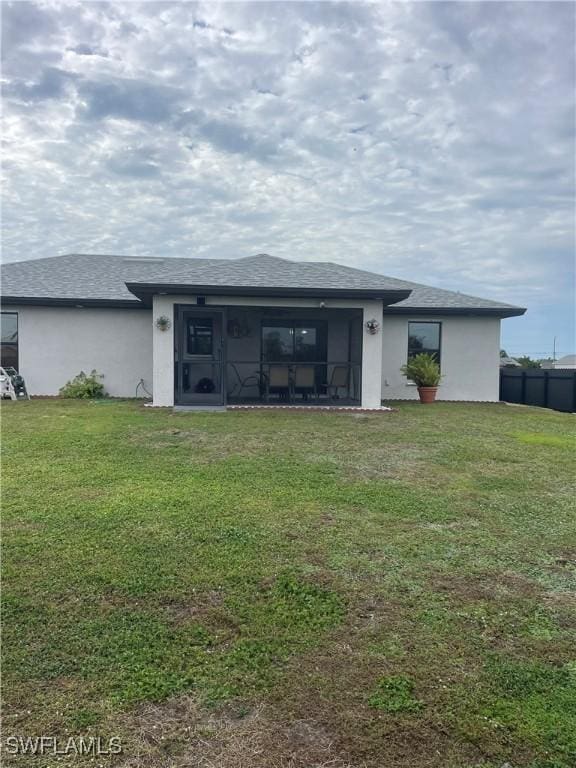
{"x":428,"y":141}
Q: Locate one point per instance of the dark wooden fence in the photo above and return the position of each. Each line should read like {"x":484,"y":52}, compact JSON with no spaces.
{"x":546,"y":387}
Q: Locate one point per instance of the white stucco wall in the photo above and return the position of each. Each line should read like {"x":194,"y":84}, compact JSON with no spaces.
{"x":470,"y":358}
{"x":163,"y":351}
{"x":372,"y":357}
{"x":56,"y":343}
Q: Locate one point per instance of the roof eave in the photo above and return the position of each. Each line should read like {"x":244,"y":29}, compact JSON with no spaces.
{"x":477,"y":311}
{"x":58,"y":301}
{"x":145,"y":291}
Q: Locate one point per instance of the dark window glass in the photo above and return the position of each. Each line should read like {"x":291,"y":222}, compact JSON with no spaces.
{"x":294,"y":343}
{"x":305,"y":344}
{"x":9,"y":326}
{"x":424,"y":338}
{"x":9,"y":343}
{"x":9,"y":355}
{"x":199,"y":336}
{"x":277,"y":343}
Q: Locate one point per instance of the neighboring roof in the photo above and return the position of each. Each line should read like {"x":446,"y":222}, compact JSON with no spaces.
{"x":121,"y":281}
{"x":566,"y":360}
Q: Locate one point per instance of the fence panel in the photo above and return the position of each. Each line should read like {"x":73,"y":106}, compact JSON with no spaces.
{"x":544,"y":387}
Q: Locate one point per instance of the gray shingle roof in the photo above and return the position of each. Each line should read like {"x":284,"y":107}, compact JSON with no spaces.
{"x":82,"y":276}
{"x":103,"y":278}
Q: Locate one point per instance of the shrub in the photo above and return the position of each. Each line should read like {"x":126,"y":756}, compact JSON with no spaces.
{"x":84,"y":387}
{"x":423,"y":370}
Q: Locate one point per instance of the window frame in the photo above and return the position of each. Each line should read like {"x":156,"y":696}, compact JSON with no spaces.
{"x":438,"y":354}
{"x":10,"y":343}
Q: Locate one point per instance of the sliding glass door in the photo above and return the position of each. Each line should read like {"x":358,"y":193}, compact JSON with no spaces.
{"x":294,"y":342}
{"x":294,"y":355}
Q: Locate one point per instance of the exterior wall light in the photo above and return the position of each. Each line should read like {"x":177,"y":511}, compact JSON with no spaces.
{"x":372,"y":326}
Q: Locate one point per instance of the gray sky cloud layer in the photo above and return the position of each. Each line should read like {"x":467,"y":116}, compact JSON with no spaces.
{"x":429,"y":141}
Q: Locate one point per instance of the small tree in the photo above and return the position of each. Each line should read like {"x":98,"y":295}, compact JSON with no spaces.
{"x":527,"y":362}
{"x":84,"y":387}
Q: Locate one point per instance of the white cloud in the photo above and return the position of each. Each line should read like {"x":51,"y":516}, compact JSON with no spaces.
{"x":432,"y":141}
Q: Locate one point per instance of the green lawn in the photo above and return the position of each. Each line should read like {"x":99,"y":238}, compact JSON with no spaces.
{"x":287,"y":589}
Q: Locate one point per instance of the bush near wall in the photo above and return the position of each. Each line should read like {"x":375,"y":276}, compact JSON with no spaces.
{"x":84,"y":386}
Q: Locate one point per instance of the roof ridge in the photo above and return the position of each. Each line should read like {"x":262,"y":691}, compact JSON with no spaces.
{"x":267,"y":256}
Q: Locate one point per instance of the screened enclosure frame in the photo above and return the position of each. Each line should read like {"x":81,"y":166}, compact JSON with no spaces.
{"x":249,"y":378}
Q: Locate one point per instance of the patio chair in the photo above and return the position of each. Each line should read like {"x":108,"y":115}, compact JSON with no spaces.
{"x":247,"y":382}
{"x":304,"y":380}
{"x":278,"y":382}
{"x":340,"y":379}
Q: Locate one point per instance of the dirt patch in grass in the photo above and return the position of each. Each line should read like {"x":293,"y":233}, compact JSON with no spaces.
{"x":206,"y":609}
{"x":367,"y":460}
{"x":488,"y":586}
{"x":178,"y":734}
{"x":205,"y":447}
{"x":199,"y":605}
{"x":565,"y":558}
{"x":336,"y":688}
{"x":401,"y":462}
{"x":21,"y":526}
{"x":453,"y":525}
{"x":562,"y":599}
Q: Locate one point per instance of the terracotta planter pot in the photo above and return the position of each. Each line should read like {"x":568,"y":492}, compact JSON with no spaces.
{"x":427,"y":394}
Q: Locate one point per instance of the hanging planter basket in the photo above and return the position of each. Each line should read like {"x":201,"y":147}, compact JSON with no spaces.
{"x":163,"y":323}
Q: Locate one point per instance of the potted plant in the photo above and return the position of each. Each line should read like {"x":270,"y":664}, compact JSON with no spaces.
{"x":424,"y":371}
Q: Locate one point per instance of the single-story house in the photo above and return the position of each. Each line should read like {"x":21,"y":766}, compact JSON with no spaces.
{"x":568,"y":361}
{"x":251,"y":330}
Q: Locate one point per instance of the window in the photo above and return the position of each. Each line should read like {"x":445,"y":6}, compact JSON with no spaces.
{"x":199,"y":336}
{"x":424,"y":338}
{"x":277,"y":343}
{"x":9,"y":344}
{"x":297,"y":342}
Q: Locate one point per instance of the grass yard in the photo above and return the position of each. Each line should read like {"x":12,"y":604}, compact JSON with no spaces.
{"x":266,"y":590}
